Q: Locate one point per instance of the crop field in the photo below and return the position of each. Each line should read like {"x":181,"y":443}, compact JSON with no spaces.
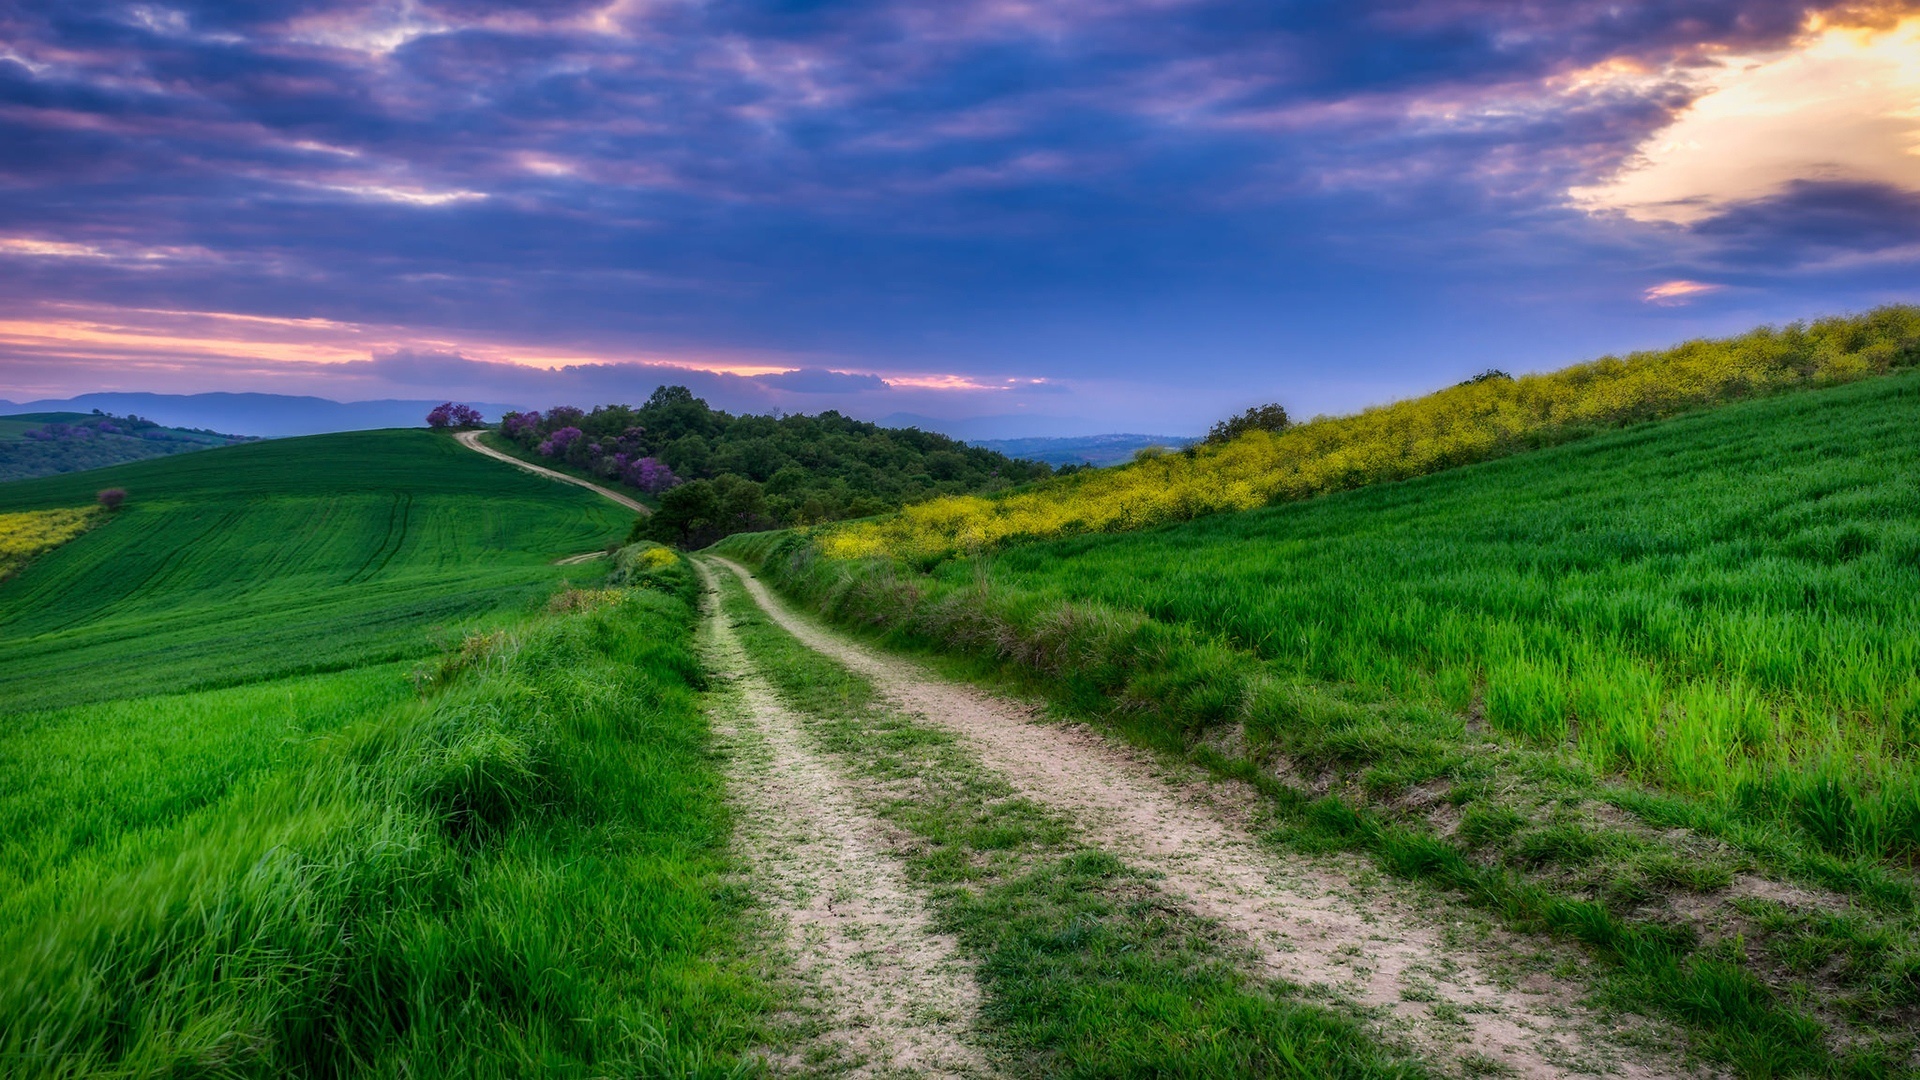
{"x":276,"y":558}
{"x":1720,"y":605}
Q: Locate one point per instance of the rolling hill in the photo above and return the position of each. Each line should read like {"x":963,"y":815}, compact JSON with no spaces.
{"x":279,"y":557}
{"x":42,"y":444}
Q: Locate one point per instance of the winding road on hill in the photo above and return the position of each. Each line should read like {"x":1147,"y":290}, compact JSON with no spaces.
{"x":471,"y":440}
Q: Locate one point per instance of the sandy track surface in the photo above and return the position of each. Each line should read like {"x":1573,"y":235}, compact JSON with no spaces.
{"x":895,"y":996}
{"x":471,"y":440}
{"x":1304,"y":919}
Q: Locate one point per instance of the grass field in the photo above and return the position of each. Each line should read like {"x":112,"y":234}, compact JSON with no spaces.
{"x":274,"y":558}
{"x":1705,"y":622}
{"x":518,"y":871}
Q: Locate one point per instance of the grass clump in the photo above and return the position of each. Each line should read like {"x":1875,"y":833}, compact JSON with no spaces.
{"x":522,"y":871}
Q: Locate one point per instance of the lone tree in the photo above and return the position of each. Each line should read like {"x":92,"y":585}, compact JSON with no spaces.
{"x":1267,"y":417}
{"x":111,"y":498}
{"x":448,"y":415}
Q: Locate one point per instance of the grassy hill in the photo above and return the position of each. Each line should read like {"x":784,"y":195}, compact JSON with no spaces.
{"x":1519,"y":677}
{"x":281,"y":557}
{"x":46,"y":443}
{"x":505,"y":854}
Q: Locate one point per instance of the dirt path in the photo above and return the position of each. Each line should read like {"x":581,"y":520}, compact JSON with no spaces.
{"x":1387,"y":951}
{"x":893,"y":996}
{"x":471,"y":440}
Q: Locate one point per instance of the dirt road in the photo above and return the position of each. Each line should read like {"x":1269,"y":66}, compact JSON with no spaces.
{"x":471,"y":440}
{"x":1396,"y":953}
{"x":890,"y":995}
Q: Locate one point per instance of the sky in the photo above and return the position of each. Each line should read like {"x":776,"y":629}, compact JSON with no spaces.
{"x":1065,"y":216}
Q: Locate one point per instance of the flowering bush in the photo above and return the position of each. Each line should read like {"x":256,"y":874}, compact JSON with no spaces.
{"x":650,"y":475}
{"x":449,"y":415}
{"x":520,"y":426}
{"x":111,"y":498}
{"x":557,"y":443}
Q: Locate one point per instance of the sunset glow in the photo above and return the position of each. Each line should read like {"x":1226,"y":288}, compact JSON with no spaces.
{"x":1128,"y":216}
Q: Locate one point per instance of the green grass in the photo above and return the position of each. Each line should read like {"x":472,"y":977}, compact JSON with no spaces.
{"x":522,"y":871}
{"x":1087,"y":967}
{"x":1720,"y":606}
{"x":93,"y":782}
{"x":1705,"y":622}
{"x":292,"y":556}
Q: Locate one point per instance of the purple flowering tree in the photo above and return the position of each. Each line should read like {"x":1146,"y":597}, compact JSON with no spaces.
{"x":557,"y":443}
{"x":449,"y":415}
{"x":650,"y":475}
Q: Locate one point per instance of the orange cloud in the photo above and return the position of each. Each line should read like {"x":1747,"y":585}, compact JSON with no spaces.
{"x":1843,"y":104}
{"x":158,"y":334}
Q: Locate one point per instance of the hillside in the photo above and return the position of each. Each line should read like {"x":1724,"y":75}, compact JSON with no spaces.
{"x":46,"y":443}
{"x":265,"y":415}
{"x":278,"y":557}
{"x":1487,"y":416}
{"x":312,"y":763}
{"x":1596,"y":687}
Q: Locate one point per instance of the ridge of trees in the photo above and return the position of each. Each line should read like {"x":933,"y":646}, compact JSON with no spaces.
{"x":715,"y":473}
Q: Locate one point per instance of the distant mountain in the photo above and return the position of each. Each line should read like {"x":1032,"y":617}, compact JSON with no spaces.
{"x":46,"y":443}
{"x":1082,"y":449}
{"x":254,"y":414}
{"x":976,"y":428}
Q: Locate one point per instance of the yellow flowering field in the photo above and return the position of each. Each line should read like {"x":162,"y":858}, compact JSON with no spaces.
{"x":1471,"y":422}
{"x":26,"y":534}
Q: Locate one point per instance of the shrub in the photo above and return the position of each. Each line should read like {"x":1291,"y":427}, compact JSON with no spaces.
{"x":449,"y":415}
{"x":111,"y":498}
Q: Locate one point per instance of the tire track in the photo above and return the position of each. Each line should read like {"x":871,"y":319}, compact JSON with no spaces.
{"x":1302,"y":918}
{"x":893,"y":995}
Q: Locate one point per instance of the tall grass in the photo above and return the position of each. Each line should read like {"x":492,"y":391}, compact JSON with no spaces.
{"x":1721,"y":606}
{"x":519,"y":873}
{"x":1475,"y":421}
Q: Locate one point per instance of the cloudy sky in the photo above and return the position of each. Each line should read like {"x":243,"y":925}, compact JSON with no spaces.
{"x":1091,"y":215}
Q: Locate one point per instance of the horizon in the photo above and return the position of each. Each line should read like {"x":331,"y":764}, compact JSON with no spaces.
{"x":1059,"y":219}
